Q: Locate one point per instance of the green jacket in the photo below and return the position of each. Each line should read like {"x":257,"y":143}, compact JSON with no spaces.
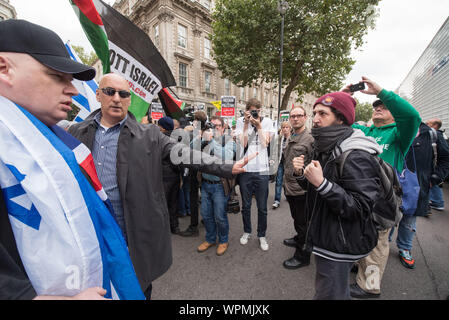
{"x":397,"y":137}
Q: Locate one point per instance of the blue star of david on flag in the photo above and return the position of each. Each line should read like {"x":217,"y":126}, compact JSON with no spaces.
{"x":18,"y":203}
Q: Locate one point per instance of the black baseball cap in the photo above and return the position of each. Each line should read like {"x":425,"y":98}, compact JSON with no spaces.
{"x":377,"y":103}
{"x":42,"y":44}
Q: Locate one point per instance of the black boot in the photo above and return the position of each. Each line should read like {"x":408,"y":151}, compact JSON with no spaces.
{"x":191,"y":231}
{"x":299,"y":260}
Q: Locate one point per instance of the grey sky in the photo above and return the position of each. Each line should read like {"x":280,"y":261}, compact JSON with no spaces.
{"x":403,"y":30}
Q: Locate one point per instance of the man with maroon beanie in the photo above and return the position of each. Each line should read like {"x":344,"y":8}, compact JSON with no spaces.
{"x":339,"y":200}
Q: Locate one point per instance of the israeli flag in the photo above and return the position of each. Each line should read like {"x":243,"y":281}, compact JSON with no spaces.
{"x":85,"y":100}
{"x":67,"y":238}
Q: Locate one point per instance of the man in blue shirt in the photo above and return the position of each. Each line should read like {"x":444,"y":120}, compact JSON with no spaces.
{"x":215,"y":191}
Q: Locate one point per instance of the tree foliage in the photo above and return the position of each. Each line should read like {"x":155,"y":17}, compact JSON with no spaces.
{"x":318,"y":38}
{"x":86,"y":57}
{"x":363,"y":111}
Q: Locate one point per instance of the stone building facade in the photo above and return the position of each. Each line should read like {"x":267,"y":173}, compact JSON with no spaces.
{"x":7,"y":11}
{"x":181,"y":31}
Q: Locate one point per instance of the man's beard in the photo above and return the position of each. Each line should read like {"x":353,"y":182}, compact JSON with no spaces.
{"x":335,"y":123}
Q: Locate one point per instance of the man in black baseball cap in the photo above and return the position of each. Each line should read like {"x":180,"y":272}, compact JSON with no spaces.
{"x":43,"y":45}
{"x":36,"y":73}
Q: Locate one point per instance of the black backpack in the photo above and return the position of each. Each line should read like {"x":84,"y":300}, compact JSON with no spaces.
{"x":387,"y":210}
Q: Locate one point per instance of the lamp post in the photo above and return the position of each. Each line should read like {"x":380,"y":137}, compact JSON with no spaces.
{"x":282,"y":8}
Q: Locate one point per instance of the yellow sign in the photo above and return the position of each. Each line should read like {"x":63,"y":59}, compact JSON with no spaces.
{"x":217,"y":104}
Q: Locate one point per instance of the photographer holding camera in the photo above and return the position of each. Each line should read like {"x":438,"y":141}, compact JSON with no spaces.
{"x":215,"y":191}
{"x":254,"y":134}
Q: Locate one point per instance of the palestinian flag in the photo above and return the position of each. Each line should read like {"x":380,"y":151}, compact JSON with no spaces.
{"x":172,"y":107}
{"x":125,"y":49}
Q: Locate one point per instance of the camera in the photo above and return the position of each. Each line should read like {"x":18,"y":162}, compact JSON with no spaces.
{"x":207,"y":126}
{"x":254,"y":114}
{"x":189,"y":113}
{"x":357,"y":87}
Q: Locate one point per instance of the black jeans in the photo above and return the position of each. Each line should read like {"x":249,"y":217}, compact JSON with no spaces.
{"x":332,"y":279}
{"x":171,"y":189}
{"x":254,"y":183}
{"x":297,"y":210}
{"x":148,"y":292}
{"x":194,"y":190}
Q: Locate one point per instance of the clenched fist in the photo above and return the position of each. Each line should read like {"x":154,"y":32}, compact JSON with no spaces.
{"x":314,"y":173}
{"x":298,"y":165}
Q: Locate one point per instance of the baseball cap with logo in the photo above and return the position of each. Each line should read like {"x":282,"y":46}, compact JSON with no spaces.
{"x":341,"y":101}
{"x":42,"y":44}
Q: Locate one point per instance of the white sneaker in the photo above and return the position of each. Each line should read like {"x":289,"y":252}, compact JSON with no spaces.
{"x":244,"y":238}
{"x":263,"y":243}
{"x":276,"y":204}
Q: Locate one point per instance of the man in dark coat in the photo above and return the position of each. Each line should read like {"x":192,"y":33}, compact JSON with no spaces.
{"x":172,"y":178}
{"x":128,"y":158}
{"x":420,"y":160}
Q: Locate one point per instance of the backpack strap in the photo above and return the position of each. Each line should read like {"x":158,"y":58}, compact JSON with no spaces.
{"x":341,"y":160}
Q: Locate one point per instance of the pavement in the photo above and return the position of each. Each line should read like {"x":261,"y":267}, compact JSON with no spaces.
{"x":248,"y":273}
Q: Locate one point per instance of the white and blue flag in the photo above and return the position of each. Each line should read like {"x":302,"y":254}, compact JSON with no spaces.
{"x":86,"y":99}
{"x":67,"y":238}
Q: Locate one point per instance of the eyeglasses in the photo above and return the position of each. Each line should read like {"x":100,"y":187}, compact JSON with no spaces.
{"x":111,"y":92}
{"x":297,"y":116}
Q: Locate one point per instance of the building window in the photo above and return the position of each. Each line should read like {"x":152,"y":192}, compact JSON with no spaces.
{"x":182,"y":36}
{"x":227,"y":87}
{"x":207,"y":81}
{"x":182,"y":74}
{"x":156,"y":35}
{"x":254,"y":92}
{"x":242,"y":94}
{"x":207,"y":3}
{"x":207,"y":48}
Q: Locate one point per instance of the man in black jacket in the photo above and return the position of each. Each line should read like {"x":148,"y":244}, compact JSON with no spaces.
{"x":431,"y":170}
{"x":436,"y":199}
{"x":341,"y":229}
{"x":172,"y":178}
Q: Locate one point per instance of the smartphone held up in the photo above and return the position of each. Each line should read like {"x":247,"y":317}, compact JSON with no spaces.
{"x":357,"y":87}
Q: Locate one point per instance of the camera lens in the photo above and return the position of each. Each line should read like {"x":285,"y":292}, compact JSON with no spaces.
{"x":254,"y":114}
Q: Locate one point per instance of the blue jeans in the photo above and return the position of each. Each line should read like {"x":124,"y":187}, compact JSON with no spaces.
{"x":279,"y":179}
{"x":436,"y":196}
{"x":213,"y":211}
{"x":254,"y":183}
{"x":184,"y":196}
{"x":406,"y":232}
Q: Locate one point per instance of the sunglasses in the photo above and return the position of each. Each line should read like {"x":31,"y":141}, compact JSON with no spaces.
{"x":111,"y":92}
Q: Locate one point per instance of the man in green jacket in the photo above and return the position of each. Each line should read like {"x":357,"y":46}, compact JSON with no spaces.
{"x":395,"y":125}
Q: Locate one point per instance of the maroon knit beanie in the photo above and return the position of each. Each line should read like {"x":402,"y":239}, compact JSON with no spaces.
{"x":341,"y":101}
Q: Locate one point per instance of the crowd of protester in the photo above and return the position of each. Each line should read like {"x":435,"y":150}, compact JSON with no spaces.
{"x":155,"y":172}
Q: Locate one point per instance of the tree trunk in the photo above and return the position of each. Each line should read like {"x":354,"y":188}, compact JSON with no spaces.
{"x":292,"y":84}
